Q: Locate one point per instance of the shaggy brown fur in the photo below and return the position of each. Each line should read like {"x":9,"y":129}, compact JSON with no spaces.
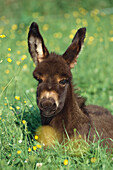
{"x":59,"y":106}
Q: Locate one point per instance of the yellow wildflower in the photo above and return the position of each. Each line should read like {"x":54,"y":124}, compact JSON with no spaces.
{"x":5,"y":104}
{"x":0,"y":118}
{"x":75,"y":14}
{"x":94,"y":12}
{"x":71,"y":36}
{"x":38,"y":146}
{"x":93,"y":160}
{"x":91,"y":39}
{"x":45,"y":27}
{"x":85,"y":23}
{"x":65,"y":162}
{"x":24,"y":66}
{"x":17,"y":107}
{"x":18,"y":62}
{"x":14,"y":27}
{"x":18,"y":52}
{"x":2,"y":36}
{"x":24,"y":43}
{"x":34,"y":148}
{"x":82,"y":11}
{"x":24,"y":122}
{"x":17,"y":97}
{"x":9,"y":60}
{"x":22,"y":58}
{"x":24,"y":102}
{"x":111,"y":39}
{"x":7,"y":71}
{"x":36,"y":137}
{"x":11,"y":108}
{"x":57,"y":35}
{"x":78,"y":20}
{"x":9,"y":49}
{"x":101,"y":39}
{"x":111,"y":31}
{"x":9,"y":54}
{"x":74,"y":31}
{"x":19,"y":152}
{"x":29,"y":149}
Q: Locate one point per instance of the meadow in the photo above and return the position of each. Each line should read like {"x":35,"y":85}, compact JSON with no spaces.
{"x":93,"y":76}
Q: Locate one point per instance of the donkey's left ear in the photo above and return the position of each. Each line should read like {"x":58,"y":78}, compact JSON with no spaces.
{"x":36,"y":44}
{"x":73,"y":50}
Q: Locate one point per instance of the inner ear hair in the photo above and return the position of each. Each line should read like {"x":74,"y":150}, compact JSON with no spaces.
{"x":36,"y":44}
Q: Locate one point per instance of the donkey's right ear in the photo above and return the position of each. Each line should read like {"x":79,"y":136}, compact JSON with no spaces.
{"x":36,"y":45}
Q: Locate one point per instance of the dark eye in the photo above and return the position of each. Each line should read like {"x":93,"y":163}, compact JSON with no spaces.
{"x":64,"y":81}
{"x":39,"y":80}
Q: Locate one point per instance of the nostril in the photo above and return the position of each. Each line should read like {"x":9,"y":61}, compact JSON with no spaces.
{"x":46,"y":104}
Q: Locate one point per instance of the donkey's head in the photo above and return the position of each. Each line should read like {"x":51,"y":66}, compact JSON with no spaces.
{"x":53,"y":71}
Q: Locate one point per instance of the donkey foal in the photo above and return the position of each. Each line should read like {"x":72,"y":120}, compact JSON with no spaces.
{"x":59,"y":106}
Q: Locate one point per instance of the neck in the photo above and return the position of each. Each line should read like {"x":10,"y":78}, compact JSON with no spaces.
{"x":71,"y":117}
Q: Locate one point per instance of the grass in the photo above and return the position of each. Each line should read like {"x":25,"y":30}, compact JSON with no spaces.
{"x":58,"y":21}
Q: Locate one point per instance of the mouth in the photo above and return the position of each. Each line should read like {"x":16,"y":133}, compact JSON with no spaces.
{"x":48,"y":113}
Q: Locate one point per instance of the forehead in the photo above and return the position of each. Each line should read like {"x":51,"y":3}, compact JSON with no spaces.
{"x":53,"y":65}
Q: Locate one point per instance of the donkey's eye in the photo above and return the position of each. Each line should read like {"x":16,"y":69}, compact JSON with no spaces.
{"x":63,"y":82}
{"x":39,"y":80}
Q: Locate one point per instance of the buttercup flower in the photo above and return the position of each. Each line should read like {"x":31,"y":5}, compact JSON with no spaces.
{"x":7,"y":71}
{"x":14,"y":27}
{"x":93,"y":160}
{"x":18,"y":52}
{"x":9,"y":54}
{"x":29,"y":149}
{"x":18,"y":62}
{"x":38,"y":146}
{"x":24,"y":122}
{"x":11,"y":108}
{"x":17,"y":107}
{"x":65,"y":162}
{"x":2,"y":36}
{"x":45,"y":27}
{"x":34,"y":148}
{"x":36,"y":137}
{"x":9,"y":60}
{"x":17,"y":97}
{"x":19,"y":152}
{"x":9,"y":49}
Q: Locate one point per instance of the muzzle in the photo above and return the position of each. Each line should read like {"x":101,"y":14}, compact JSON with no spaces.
{"x":47,"y":106}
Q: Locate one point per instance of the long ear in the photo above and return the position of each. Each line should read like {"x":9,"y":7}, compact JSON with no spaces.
{"x":71,"y":54}
{"x":36,"y":45}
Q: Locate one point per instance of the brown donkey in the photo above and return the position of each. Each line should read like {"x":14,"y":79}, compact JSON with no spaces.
{"x":59,"y":106}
